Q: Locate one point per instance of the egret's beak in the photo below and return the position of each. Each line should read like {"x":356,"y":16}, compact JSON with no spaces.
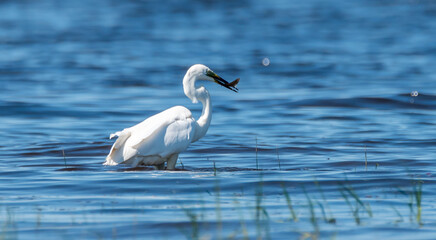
{"x":222,"y":82}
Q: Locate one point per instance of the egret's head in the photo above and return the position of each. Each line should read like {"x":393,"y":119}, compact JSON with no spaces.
{"x":202,"y":72}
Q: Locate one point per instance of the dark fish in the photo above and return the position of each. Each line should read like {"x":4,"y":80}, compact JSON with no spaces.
{"x":233,"y":84}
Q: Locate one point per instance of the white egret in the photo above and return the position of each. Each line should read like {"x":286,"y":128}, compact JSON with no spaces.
{"x":160,"y":138}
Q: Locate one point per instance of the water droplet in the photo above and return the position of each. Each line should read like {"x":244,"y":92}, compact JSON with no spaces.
{"x":265,"y":62}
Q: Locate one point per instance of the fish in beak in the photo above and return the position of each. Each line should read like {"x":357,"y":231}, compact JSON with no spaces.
{"x":222,"y":82}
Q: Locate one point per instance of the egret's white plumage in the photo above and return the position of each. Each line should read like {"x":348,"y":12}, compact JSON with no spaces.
{"x":160,"y":138}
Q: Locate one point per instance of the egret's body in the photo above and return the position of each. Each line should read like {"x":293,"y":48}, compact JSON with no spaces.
{"x":160,"y":138}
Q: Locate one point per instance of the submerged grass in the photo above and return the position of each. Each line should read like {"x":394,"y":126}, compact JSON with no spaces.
{"x":415,"y":201}
{"x":9,"y":226}
{"x":313,"y":220}
{"x":261,"y":216}
{"x":354,"y":211}
{"x":417,"y":191}
{"x":194,"y":233}
{"x":262,"y":219}
{"x":348,"y":192}
{"x":289,"y":203}
{"x":243,"y":227}
{"x":330,"y":218}
{"x":398,"y":214}
{"x":311,"y":204}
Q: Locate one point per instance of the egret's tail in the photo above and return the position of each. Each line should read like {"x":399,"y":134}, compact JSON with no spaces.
{"x":117,"y":134}
{"x":115,"y":156}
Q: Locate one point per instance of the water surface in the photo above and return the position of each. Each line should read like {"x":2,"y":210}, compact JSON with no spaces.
{"x":346,"y":82}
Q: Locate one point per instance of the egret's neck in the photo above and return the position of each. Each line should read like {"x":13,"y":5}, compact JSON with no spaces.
{"x":206,"y":115}
{"x":202,"y":95}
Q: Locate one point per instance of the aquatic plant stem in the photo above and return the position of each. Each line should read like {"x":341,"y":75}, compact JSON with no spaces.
{"x":417,"y":191}
{"x":330,"y":219}
{"x":214,"y":167}
{"x":65,"y":160}
{"x":366,"y":160}
{"x":312,"y":213}
{"x":257,"y":162}
{"x":181,"y":163}
{"x":278,"y":157}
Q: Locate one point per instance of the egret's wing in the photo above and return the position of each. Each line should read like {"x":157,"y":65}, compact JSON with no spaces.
{"x":174,"y":137}
{"x":157,"y":123}
{"x":171,"y":135}
{"x":146,"y":137}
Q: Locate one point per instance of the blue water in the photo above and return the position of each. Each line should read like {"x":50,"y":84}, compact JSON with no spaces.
{"x":346,"y":81}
